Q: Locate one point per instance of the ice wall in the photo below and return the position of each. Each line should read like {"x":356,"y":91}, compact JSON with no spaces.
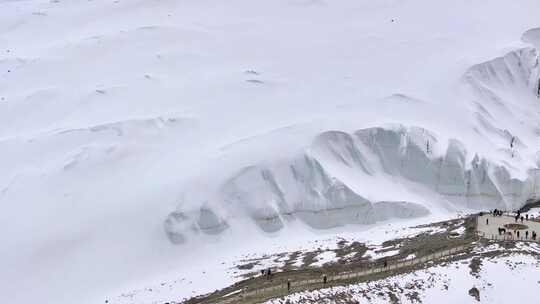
{"x":303,"y":189}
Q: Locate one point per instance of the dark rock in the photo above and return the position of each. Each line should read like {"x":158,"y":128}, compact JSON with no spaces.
{"x":475,"y":293}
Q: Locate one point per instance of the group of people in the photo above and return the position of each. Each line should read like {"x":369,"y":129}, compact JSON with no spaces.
{"x":533,"y":235}
{"x":517,"y":217}
{"x":521,"y":217}
{"x":497,"y":212}
{"x":502,"y":231}
{"x":267,"y":273}
{"x":516,"y":233}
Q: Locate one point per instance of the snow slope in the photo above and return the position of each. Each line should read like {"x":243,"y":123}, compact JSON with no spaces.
{"x":127,"y":127}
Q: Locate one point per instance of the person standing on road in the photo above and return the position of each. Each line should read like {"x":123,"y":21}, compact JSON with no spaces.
{"x":324,"y":279}
{"x":527,"y":234}
{"x":487,"y":221}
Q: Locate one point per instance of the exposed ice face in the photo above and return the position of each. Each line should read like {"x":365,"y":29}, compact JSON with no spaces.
{"x":176,"y":225}
{"x":402,"y":151}
{"x":452,"y":178}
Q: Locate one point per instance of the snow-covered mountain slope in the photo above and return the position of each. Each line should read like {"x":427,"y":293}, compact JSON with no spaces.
{"x":137,"y":136}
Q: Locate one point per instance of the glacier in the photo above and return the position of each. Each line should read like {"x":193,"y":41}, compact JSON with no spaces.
{"x":144,"y":141}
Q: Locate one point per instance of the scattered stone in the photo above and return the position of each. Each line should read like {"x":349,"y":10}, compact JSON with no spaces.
{"x":475,"y":293}
{"x":475,"y":266}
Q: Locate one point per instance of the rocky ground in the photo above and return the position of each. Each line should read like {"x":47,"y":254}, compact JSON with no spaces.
{"x":484,"y":274}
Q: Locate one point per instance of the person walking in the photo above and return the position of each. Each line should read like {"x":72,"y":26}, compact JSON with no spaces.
{"x":324,"y":279}
{"x":487,"y":221}
{"x":517,"y":233}
{"x":527,"y":234}
{"x":288,"y":285}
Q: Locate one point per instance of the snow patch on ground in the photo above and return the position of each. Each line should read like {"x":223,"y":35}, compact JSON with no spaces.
{"x":381,"y":253}
{"x":324,"y":257}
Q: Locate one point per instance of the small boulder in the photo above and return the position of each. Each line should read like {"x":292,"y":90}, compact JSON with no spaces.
{"x":475,"y":293}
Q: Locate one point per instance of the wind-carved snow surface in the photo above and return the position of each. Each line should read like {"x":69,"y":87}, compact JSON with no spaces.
{"x":507,"y":88}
